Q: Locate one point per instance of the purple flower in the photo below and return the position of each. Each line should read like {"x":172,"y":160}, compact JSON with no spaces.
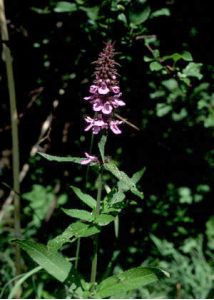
{"x":113,"y":126}
{"x":89,"y":159}
{"x":103,"y":89}
{"x":107,"y":108}
{"x":97,"y":105}
{"x":95,"y":124}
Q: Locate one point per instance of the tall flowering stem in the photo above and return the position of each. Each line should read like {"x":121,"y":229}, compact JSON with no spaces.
{"x":95,"y":241}
{"x":104,"y":98}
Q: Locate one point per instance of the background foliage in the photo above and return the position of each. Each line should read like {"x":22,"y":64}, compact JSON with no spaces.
{"x":165,"y":51}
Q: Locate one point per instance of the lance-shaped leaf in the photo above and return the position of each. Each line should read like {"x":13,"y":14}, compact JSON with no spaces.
{"x":138,"y":175}
{"x":85,"y":198}
{"x":104,"y":219}
{"x":75,"y":230}
{"x":128,"y":280}
{"x":125,"y":182}
{"x":64,"y":159}
{"x":101,"y":146}
{"x":79,"y":214}
{"x":54,"y":263}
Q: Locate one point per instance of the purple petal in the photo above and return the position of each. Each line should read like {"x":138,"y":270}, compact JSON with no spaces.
{"x":99,"y":123}
{"x":114,"y":127}
{"x":115,"y":89}
{"x":88,"y":127}
{"x":87,"y":98}
{"x":107,"y":108}
{"x":117,"y":103}
{"x":93,"y":89}
{"x":85,"y":161}
{"x":89,"y":158}
{"x":96,"y":129}
{"x":97,"y":106}
{"x":89,"y":119}
{"x":103,"y":90}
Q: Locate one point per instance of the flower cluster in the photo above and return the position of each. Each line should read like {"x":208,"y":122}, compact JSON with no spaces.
{"x":105,"y":95}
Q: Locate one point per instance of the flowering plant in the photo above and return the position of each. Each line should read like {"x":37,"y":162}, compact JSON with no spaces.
{"x":105,"y":98}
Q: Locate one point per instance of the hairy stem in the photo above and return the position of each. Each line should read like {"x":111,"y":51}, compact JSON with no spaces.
{"x":14,"y":124}
{"x":95,"y":241}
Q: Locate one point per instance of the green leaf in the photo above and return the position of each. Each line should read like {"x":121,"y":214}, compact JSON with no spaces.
{"x":139,"y":17}
{"x":138,"y":175}
{"x":117,"y":197}
{"x":79,"y":214}
{"x":112,"y":168}
{"x":54,"y":263}
{"x":104,"y":219}
{"x":155,"y":66}
{"x":180,"y":116}
{"x":65,"y":7}
{"x":41,"y":11}
{"x":161,"y":12}
{"x":72,"y":232}
{"x":163,"y":109}
{"x":84,"y":230}
{"x":128,"y":280}
{"x":126,"y":183}
{"x":85,"y":198}
{"x":171,"y":84}
{"x":92,"y":12}
{"x":101,"y":146}
{"x":76,"y":160}
{"x":147,"y":59}
{"x":122,"y":17}
{"x":186,"y":56}
{"x":193,"y":70}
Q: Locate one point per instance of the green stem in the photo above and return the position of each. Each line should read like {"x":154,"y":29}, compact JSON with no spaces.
{"x":15,"y":138}
{"x":95,"y":241}
{"x":77,"y":254}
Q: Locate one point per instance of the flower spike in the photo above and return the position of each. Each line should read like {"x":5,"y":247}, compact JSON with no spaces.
{"x":105,"y":95}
